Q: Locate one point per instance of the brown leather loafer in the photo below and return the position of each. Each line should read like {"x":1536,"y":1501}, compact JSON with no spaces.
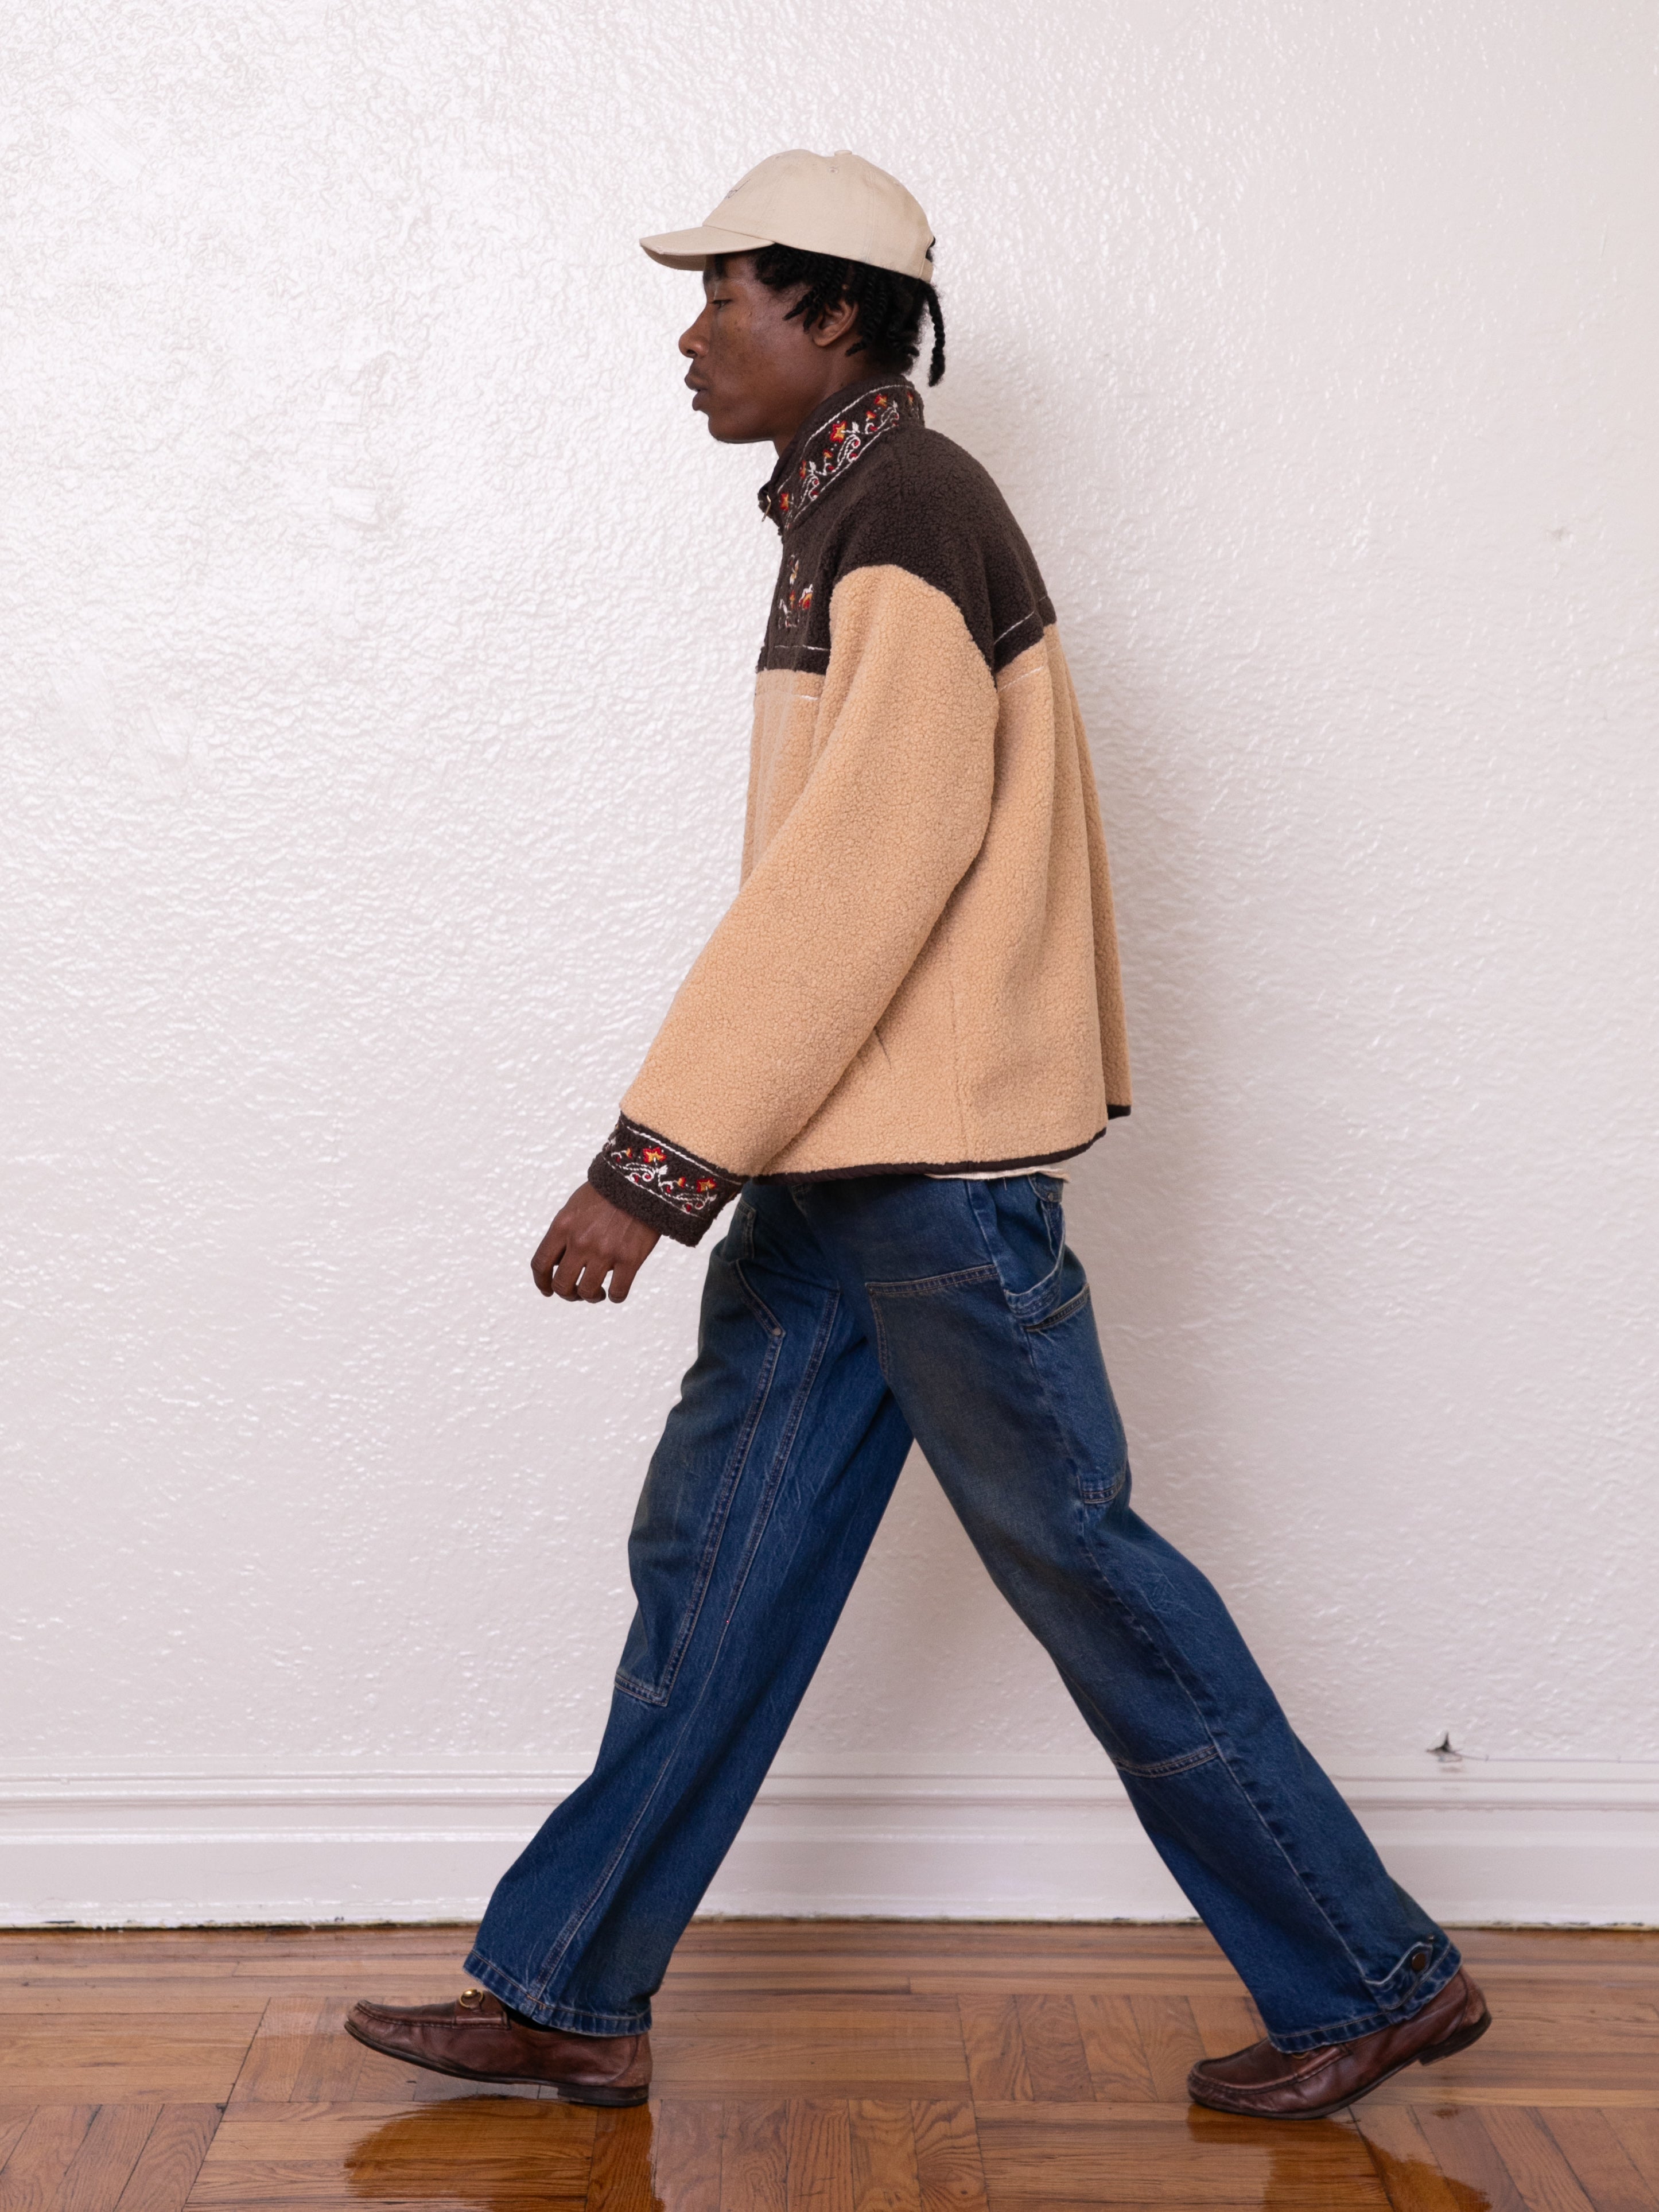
{"x":1310,"y":2085}
{"x":475,"y":2038}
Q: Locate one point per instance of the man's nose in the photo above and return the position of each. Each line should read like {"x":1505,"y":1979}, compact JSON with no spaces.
{"x":694,"y":340}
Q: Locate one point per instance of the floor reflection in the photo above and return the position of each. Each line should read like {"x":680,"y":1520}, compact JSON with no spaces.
{"x":504,"y":2154}
{"x":507,"y":2154}
{"x":1279,"y":2166}
{"x":1409,"y":2181}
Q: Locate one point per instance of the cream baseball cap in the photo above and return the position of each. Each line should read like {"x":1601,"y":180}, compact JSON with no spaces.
{"x":823,"y":204}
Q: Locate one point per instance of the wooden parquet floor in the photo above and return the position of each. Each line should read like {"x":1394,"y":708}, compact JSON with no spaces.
{"x":805,"y":2066}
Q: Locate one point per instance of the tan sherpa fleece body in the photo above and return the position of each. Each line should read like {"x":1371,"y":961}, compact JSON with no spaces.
{"x":911,"y":974}
{"x":919,"y":970}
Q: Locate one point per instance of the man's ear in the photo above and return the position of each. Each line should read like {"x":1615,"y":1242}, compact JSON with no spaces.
{"x":838,"y":324}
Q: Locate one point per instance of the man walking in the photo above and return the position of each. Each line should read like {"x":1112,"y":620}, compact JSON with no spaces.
{"x":908,"y":1015}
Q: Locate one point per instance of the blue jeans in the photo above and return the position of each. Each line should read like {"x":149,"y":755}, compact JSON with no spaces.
{"x":840,"y":1320}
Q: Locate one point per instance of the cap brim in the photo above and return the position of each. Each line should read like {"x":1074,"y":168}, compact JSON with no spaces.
{"x":693,"y":249}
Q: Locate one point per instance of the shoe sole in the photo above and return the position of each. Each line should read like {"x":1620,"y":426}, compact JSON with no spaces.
{"x":568,"y":2093}
{"x":1432,"y":2056}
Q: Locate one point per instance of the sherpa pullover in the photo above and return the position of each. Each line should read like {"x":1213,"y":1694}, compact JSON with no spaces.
{"x":919,"y":974}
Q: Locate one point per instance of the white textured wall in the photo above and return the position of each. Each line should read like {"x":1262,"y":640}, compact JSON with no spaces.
{"x":377,"y":631}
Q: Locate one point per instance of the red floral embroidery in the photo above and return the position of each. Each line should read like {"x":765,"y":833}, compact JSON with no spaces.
{"x":840,"y":442}
{"x":649,"y":1164}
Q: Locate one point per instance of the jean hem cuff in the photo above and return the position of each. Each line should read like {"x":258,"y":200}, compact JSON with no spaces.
{"x":573,"y":2019}
{"x":1429,"y":1985}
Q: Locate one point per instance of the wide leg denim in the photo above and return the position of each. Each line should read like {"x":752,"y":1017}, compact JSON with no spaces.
{"x":840,"y":1320}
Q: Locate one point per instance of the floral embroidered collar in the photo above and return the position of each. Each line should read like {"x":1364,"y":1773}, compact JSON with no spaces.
{"x":822,"y":452}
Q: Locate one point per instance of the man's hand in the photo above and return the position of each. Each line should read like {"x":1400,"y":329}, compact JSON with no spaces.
{"x":590,"y":1239}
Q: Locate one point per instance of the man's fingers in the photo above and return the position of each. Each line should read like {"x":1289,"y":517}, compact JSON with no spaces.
{"x":549,"y":1253}
{"x":622,"y":1280}
{"x":567,"y":1274}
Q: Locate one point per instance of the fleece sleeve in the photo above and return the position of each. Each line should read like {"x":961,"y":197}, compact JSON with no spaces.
{"x":832,"y":916}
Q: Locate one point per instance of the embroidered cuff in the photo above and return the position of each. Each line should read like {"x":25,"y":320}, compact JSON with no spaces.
{"x":658,"y":1184}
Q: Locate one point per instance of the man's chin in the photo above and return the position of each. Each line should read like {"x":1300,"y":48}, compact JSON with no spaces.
{"x":729,"y":430}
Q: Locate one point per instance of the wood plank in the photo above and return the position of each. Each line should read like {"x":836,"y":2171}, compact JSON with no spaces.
{"x":277,"y":2052}
{"x":1117,"y":2061}
{"x":754,"y":2159}
{"x":883,"y":2153}
{"x":774,"y":2049}
{"x":1171,"y":2040}
{"x":170,"y":2158}
{"x":830,"y":1977}
{"x":673,"y":2007}
{"x":685,"y":2155}
{"x":1131,"y":1978}
{"x":42,"y":1995}
{"x":949,"y":2171}
{"x":109,"y":2151}
{"x":994,"y":2048}
{"x":1639,"y":2132}
{"x":159,"y":2057}
{"x":1529,"y":2018}
{"x":1479,"y":2077}
{"x":1590,"y":2144}
{"x":1535,"y":2161}
{"x":42,"y":2155}
{"x":13,"y":2118}
{"x":1486,"y":1946}
{"x":1053,"y":2050}
{"x":818,"y":2155}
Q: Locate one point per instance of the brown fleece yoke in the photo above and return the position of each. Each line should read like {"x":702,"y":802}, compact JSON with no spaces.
{"x":919,"y":974}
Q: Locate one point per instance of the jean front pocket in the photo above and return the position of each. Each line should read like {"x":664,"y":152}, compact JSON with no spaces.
{"x":1022,"y":1233}
{"x":1068,"y":1310}
{"x":889,"y":1302}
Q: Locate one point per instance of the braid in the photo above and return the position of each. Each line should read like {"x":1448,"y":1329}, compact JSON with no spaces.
{"x":890,"y":305}
{"x":936,"y":316}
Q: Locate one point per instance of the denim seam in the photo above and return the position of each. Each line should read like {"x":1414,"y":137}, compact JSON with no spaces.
{"x":1270,"y":1828}
{"x":1154,"y":1643}
{"x":573,"y":1926}
{"x":781,"y":1457}
{"x":927,"y":1287}
{"x":1022,"y":1338}
{"x":659,"y":1694}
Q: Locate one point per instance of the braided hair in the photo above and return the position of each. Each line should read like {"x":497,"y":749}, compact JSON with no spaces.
{"x":889,"y":305}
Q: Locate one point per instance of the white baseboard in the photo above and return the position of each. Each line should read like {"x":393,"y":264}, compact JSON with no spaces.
{"x":1489,"y":1840}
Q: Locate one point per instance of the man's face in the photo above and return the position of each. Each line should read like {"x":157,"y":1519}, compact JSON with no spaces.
{"x":755,"y":374}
